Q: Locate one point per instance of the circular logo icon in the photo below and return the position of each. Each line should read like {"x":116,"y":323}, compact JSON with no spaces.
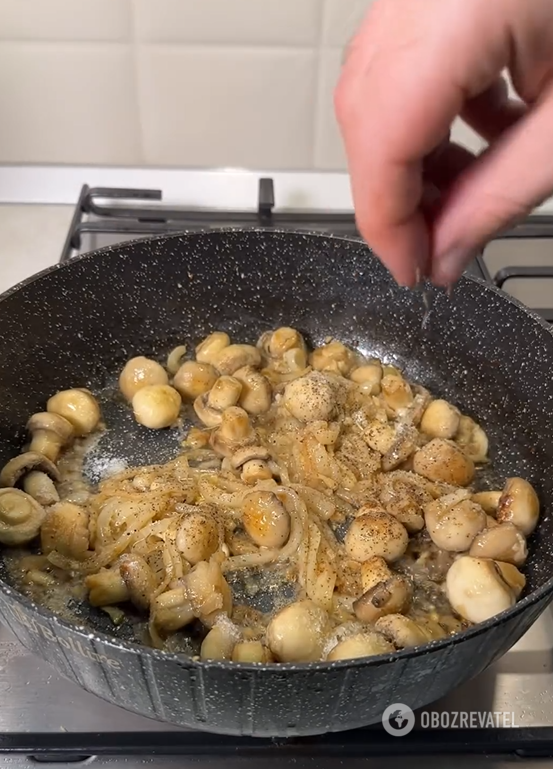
{"x":398,"y":719}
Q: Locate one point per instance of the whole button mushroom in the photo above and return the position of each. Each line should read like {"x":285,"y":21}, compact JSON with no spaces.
{"x":367,"y":644}
{"x":194,"y":379}
{"x":37,"y":475}
{"x":440,"y":420}
{"x":309,"y":398}
{"x":236,"y":356}
{"x":519,"y":504}
{"x":50,"y":433}
{"x":65,"y":530}
{"x":452,"y":523}
{"x":376,"y":533}
{"x":141,"y":372}
{"x":225,"y":393}
{"x":79,"y":407}
{"x":257,"y":394}
{"x":156,"y":406}
{"x":479,"y":588}
{"x":234,"y":432}
{"x":20,"y":517}
{"x":208,"y":350}
{"x":390,"y":597}
{"x":403,"y":631}
{"x":198,"y":537}
{"x":139,"y":580}
{"x":503,"y":542}
{"x":443,"y":461}
{"x":265,"y":519}
{"x":297,"y":632}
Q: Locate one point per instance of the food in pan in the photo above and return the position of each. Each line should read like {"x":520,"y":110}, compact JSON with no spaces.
{"x":322,"y":508}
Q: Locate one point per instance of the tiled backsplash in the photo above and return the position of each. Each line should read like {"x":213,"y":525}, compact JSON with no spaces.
{"x":185,"y":83}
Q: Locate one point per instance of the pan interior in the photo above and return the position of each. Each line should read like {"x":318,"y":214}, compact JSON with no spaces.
{"x":76,"y":326}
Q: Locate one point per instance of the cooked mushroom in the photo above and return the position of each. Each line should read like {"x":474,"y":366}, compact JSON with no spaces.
{"x":443,"y":461}
{"x":390,"y":597}
{"x":402,"y":631}
{"x":277,"y":343}
{"x":488,"y":500}
{"x":376,"y":533}
{"x":235,"y":357}
{"x":106,"y":588}
{"x":79,"y":407}
{"x":138,"y":578}
{"x":198,"y":537}
{"x":396,"y":391}
{"x":156,"y":406}
{"x":333,"y":357}
{"x":309,"y":398}
{"x":251,"y":652}
{"x":379,"y":436}
{"x":256,"y":395}
{"x":65,"y":530}
{"x":519,"y":504}
{"x":208,"y":350}
{"x":20,"y":517}
{"x":234,"y":432}
{"x":503,"y":542}
{"x":225,"y":393}
{"x":369,"y":377}
{"x":440,"y":420}
{"x":220,"y":641}
{"x":194,"y":379}
{"x":367,"y":644}
{"x":454,"y":522}
{"x":477,"y":588}
{"x":252,"y":461}
{"x":38,"y":474}
{"x":265,"y":519}
{"x":373,"y":571}
{"x":208,"y":591}
{"x":50,"y":433}
{"x":174,"y":360}
{"x":141,"y":372}
{"x":172,"y":610}
{"x":401,"y":448}
{"x":297,"y":632}
{"x":472,"y":439}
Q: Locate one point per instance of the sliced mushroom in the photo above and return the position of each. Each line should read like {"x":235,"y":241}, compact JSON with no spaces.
{"x":472,"y":439}
{"x":368,"y":377}
{"x":397,"y":392}
{"x":66,"y":530}
{"x":31,"y":462}
{"x":79,"y":407}
{"x":519,"y":504}
{"x":172,"y":610}
{"x":139,"y":580}
{"x":198,"y":537}
{"x":503,"y":542}
{"x":443,"y":461}
{"x":453,"y":523}
{"x":402,"y":631}
{"x":208,"y":350}
{"x":488,"y":500}
{"x":477,"y":589}
{"x":106,"y":588}
{"x":156,"y":406}
{"x":390,"y":597}
{"x":235,"y":357}
{"x":224,"y":394}
{"x":20,"y":517}
{"x":50,"y":433}
{"x":373,"y":534}
{"x":234,"y":432}
{"x":257,"y":394}
{"x":309,"y":398}
{"x":333,"y":357}
{"x":141,"y":372}
{"x":265,"y":519}
{"x":194,"y":379}
{"x":440,"y":420}
{"x":297,"y":632}
{"x":367,"y":644}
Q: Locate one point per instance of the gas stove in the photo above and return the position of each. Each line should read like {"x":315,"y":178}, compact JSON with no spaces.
{"x":505,"y":713}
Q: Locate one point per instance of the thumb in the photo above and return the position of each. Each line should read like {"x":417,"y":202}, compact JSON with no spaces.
{"x":505,"y":184}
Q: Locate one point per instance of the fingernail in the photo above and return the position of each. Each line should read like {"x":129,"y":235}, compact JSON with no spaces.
{"x":449,"y":268}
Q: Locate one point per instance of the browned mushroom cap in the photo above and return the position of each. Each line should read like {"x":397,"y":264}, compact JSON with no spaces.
{"x":50,"y":433}
{"x":25,"y":463}
{"x":389,"y":597}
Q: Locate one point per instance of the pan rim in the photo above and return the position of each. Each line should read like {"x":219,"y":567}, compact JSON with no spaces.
{"x":182,"y":660}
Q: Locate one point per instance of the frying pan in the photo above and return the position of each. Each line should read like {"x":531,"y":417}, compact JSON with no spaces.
{"x":75,"y":325}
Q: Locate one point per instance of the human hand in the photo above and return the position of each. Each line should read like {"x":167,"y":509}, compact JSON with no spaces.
{"x":425,"y":205}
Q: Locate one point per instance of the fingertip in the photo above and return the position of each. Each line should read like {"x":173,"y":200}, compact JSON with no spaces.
{"x":447,"y":269}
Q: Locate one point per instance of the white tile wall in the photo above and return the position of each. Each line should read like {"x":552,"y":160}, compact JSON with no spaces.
{"x":193,"y":83}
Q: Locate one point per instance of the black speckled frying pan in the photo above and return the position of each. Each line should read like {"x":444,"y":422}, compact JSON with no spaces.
{"x":76,"y":325}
